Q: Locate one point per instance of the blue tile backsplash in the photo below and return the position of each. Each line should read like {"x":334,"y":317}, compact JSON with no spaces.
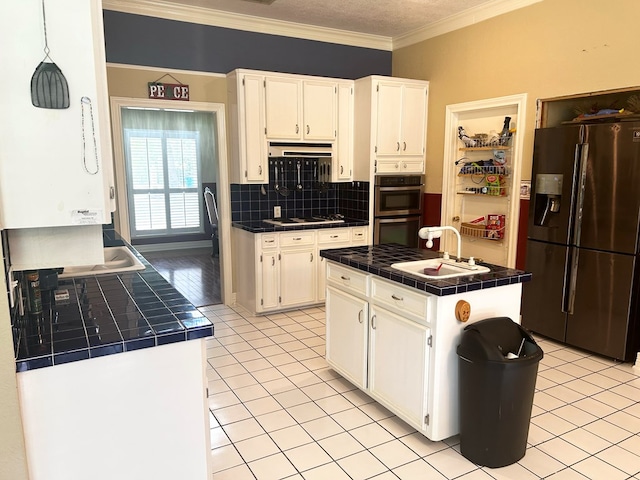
{"x":249,"y":203}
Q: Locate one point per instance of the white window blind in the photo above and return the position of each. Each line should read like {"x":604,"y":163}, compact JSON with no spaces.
{"x":163,"y":170}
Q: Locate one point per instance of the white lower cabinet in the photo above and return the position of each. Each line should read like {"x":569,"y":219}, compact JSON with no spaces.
{"x":398,"y":376}
{"x":346,"y":337}
{"x":283,"y":270}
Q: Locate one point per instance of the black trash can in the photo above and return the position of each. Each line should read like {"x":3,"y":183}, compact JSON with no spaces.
{"x":498,"y":364}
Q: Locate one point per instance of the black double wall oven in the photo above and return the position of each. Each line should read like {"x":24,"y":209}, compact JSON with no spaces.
{"x":397,"y":209}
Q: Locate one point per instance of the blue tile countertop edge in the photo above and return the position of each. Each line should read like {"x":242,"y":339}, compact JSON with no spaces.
{"x":377,"y":260}
{"x":106,"y":315}
{"x":258,"y":226}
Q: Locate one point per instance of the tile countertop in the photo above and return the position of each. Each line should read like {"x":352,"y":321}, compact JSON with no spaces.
{"x":258,"y":226}
{"x":107,"y":314}
{"x":377,"y":259}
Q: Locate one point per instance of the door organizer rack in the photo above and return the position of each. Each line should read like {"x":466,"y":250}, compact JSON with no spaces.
{"x":478,"y":231}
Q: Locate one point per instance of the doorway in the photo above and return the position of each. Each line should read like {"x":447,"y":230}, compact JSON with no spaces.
{"x":165,"y":154}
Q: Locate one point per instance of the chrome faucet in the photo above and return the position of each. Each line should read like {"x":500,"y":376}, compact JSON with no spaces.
{"x":429,"y":233}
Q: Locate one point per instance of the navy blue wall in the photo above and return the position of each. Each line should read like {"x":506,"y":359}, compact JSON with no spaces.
{"x":156,"y":42}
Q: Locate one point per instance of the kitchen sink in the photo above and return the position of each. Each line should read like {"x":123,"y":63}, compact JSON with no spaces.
{"x":450,"y":268}
{"x":116,"y":260}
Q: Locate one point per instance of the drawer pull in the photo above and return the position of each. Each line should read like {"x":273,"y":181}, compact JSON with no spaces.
{"x":334,"y":236}
{"x":269,"y":241}
{"x":373,"y":322}
{"x":297,"y":239}
{"x":360,"y":316}
{"x":399,"y":299}
{"x":346,"y":279}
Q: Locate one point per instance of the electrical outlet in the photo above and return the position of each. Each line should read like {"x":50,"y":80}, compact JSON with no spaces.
{"x":277,"y":211}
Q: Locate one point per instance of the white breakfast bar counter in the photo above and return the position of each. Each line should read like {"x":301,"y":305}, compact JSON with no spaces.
{"x":394,"y":335}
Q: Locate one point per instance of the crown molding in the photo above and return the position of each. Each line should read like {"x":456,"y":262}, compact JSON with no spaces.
{"x":460,"y":20}
{"x":217,"y":18}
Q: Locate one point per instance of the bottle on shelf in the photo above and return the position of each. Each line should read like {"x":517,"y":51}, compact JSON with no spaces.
{"x":505,"y":134}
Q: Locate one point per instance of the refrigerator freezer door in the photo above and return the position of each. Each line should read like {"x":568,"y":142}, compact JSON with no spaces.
{"x":599,"y":322}
{"x":554,"y":155}
{"x":542,"y":297}
{"x":611,"y":193}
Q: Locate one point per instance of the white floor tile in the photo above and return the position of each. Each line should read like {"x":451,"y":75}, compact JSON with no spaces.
{"x":275,"y":420}
{"x":251,"y":392}
{"x":476,"y":475}
{"x":397,"y":427}
{"x":225,"y":457}
{"x":306,"y":412}
{"x":595,"y":469}
{"x":218,"y":438}
{"x":585,"y":386}
{"x":631,"y":444}
{"x":224,"y":399}
{"x":361,"y":465}
{"x":261,"y":406}
{"x":291,"y":398}
{"x":240,"y":381}
{"x":341,"y":445}
{"x":422,"y":445}
{"x":450,"y":463}
{"x":418,"y":470}
{"x":371,"y":435}
{"x":563,"y":451}
{"x":318,"y":391}
{"x":308,"y":456}
{"x":322,"y":427}
{"x":553,"y":423}
{"x":231,"y":414}
{"x":625,"y":421}
{"x":243,"y":429}
{"x":617,"y":402}
{"x":514,"y":471}
{"x":278,"y":385}
{"x":352,"y":418}
{"x":275,"y":467}
{"x":330,"y":471}
{"x":567,"y":474}
{"x":255,"y":448}
{"x":291,"y":437}
{"x":334,"y":404}
{"x":575,"y":415}
{"x":394,"y":453}
{"x":608,"y":431}
{"x":622,"y":459}
{"x":587,"y":441}
{"x":375,"y":411}
{"x":241,"y":472}
{"x":540,"y":463}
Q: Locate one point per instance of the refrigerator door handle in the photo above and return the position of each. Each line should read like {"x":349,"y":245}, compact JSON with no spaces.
{"x":569,"y":285}
{"x":574,"y":188}
{"x":582,"y":179}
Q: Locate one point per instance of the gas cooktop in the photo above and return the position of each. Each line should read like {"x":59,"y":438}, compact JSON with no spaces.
{"x":316,"y":219}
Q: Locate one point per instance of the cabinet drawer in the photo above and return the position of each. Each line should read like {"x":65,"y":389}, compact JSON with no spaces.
{"x":269,"y":240}
{"x":333,"y":235}
{"x":291,"y":239}
{"x":348,"y":279}
{"x":359,"y":235}
{"x":402,"y":300}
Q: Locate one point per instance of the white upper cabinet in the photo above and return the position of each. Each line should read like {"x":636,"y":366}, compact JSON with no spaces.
{"x":391,"y":126}
{"x":247,"y":127}
{"x":300,"y":109}
{"x":344,"y":141}
{"x":56,"y":165}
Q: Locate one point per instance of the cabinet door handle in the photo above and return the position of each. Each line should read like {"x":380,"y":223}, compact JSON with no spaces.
{"x":404,"y":165}
{"x":311,"y":258}
{"x":346,"y":279}
{"x":297,"y":128}
{"x":397,"y":146}
{"x":259,"y":169}
{"x":308,"y":129}
{"x":397,"y":165}
{"x":404,"y":148}
{"x":399,"y":299}
{"x":273,"y":261}
{"x":341,"y":169}
{"x":373,"y":322}
{"x":360,"y":316}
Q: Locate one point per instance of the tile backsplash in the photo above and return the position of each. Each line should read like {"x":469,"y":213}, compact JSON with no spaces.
{"x":256,"y":202}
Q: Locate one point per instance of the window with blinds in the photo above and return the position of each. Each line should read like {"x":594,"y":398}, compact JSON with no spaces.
{"x":163,"y":170}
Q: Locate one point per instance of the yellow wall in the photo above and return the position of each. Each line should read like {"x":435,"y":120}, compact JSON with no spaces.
{"x":132,"y":83}
{"x":549,"y":49}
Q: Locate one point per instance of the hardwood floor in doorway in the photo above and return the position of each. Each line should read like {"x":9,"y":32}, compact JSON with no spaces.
{"x":193,"y":272}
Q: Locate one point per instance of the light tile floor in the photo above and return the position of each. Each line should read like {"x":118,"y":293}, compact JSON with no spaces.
{"x":278,"y":411}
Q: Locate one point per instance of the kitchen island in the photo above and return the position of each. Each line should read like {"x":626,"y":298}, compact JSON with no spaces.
{"x":394,"y":335}
{"x":112,"y":379}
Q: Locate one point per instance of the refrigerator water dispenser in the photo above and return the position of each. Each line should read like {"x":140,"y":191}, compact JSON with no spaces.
{"x":547,"y":199}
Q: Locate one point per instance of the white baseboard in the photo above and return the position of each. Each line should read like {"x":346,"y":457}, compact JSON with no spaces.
{"x":160,"y":247}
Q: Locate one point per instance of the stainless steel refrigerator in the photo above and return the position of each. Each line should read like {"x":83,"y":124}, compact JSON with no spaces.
{"x":582,"y":245}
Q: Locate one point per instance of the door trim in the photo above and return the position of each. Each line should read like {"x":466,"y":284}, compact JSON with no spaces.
{"x":121,"y":215}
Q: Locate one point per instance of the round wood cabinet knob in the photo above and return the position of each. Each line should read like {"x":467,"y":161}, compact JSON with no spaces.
{"x":463,"y":310}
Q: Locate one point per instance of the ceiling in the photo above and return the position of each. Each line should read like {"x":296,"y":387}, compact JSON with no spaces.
{"x":386,"y":24}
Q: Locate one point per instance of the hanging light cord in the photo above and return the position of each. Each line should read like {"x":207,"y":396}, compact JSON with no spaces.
{"x":46,"y":43}
{"x":87,"y":101}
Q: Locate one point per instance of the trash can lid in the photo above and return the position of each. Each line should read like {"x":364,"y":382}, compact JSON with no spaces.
{"x":498,"y":339}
